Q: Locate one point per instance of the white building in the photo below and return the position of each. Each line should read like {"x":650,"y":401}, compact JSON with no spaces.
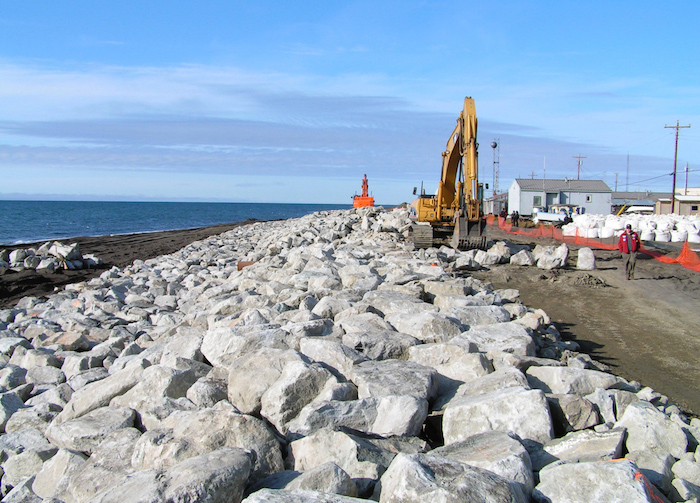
{"x":592,"y":196}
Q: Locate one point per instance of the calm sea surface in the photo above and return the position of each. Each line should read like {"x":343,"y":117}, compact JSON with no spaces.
{"x":32,"y":221}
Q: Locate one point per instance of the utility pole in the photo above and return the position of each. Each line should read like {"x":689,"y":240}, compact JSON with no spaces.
{"x":615,"y":182}
{"x":675,"y":162}
{"x":685,"y":192}
{"x":627,"y":180}
{"x":579,"y":157}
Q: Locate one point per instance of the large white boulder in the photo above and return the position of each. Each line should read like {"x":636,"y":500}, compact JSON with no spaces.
{"x":100,"y":393}
{"x":364,"y":459}
{"x":232,"y":430}
{"x":52,"y":480}
{"x":390,"y":302}
{"x":502,"y":410}
{"x":223,"y":344}
{"x":298,"y":384}
{"x":496,"y":451}
{"x":9,"y":404}
{"x":572,"y":412}
{"x":523,"y":257}
{"x":108,"y":464}
{"x":650,"y":429}
{"x":417,"y":478}
{"x":580,"y":446}
{"x":380,"y":344}
{"x":337,"y":357}
{"x":250,"y":376}
{"x":85,"y":433}
{"x":298,"y":496}
{"x":363,"y":323}
{"x":611,"y":403}
{"x":586,"y":259}
{"x":478,"y":315}
{"x":506,"y":377}
{"x":613,"y":481}
{"x":395,"y":377}
{"x":218,"y":476}
{"x":510,"y":337}
{"x":455,"y":364}
{"x":326,"y":478}
{"x":560,"y":380}
{"x":390,"y":415}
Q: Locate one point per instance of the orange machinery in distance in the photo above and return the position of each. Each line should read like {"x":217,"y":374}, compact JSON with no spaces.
{"x":364,"y":199}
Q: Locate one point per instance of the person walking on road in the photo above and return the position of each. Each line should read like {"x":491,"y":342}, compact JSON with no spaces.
{"x":628,"y":246}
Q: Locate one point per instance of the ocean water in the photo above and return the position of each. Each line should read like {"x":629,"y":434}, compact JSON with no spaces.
{"x":34,"y":221}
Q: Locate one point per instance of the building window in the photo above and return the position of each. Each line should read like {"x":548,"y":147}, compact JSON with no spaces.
{"x":694,"y":207}
{"x":537,"y":200}
{"x":589,"y":198}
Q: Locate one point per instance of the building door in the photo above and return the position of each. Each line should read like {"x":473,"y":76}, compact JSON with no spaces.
{"x":552,"y":198}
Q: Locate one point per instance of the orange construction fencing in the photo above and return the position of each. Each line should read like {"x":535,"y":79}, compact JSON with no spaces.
{"x":687,"y":257}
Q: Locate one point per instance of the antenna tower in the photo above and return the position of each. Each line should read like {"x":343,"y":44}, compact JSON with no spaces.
{"x":496,"y":146}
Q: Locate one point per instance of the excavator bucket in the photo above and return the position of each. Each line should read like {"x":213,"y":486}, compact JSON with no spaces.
{"x":466,"y":237}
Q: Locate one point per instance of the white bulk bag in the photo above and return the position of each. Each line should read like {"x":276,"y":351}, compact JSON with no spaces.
{"x":662,"y":237}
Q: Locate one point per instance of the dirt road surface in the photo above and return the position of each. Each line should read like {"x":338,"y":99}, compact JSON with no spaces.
{"x":647,"y":329}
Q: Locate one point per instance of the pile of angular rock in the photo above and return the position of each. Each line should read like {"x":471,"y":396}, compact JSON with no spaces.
{"x":342,"y":365}
{"x":49,"y":257}
{"x":504,"y":252}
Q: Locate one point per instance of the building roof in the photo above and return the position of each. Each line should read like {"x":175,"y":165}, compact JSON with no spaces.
{"x":684,"y":199}
{"x":498,"y":197}
{"x":553,"y":185}
{"x":630,"y":197}
{"x":633,"y":202}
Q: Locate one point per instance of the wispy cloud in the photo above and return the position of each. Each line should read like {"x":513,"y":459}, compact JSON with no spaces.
{"x":90,"y":41}
{"x":226,"y":121}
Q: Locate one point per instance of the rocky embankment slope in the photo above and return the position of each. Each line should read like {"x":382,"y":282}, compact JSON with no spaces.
{"x":342,"y":364}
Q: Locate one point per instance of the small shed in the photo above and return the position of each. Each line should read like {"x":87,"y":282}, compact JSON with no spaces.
{"x":493,"y":205}
{"x":685,"y":205}
{"x":592,"y":196}
{"x":646,"y":199}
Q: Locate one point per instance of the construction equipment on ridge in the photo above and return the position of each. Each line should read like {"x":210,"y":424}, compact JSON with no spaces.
{"x":364,"y":199}
{"x":453,"y":216}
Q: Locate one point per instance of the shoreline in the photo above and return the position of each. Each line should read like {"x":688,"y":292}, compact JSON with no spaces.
{"x":40,"y":221}
{"x":116,"y":250}
{"x":74,"y":239}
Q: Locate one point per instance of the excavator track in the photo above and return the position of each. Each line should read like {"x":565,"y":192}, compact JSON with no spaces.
{"x":422,"y":236}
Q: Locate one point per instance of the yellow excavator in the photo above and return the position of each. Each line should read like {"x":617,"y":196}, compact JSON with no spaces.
{"x":454,"y":215}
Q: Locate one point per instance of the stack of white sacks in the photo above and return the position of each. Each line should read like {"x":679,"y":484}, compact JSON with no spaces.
{"x":660,"y":228}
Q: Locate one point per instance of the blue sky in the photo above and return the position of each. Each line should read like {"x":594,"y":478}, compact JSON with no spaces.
{"x":272,"y":102}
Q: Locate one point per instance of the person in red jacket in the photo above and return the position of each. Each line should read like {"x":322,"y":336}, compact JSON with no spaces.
{"x":628,"y":246}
